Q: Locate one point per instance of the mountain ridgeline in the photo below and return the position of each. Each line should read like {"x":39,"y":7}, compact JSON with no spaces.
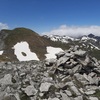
{"x":38,"y":44}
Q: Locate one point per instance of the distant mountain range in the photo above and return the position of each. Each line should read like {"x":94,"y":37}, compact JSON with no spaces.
{"x":39,"y":44}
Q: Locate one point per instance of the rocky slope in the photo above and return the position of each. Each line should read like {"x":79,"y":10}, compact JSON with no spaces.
{"x":73,"y":75}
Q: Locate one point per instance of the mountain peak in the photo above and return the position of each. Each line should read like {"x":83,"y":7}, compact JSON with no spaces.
{"x":91,"y":35}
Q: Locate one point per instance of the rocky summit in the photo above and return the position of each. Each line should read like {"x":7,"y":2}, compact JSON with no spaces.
{"x":73,"y":75}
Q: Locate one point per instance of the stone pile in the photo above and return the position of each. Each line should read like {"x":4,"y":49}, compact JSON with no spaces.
{"x":73,"y":75}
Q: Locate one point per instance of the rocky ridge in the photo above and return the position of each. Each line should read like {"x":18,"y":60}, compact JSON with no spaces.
{"x":73,"y":75}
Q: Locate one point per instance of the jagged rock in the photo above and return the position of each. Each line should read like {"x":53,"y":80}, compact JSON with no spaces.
{"x":60,"y":54}
{"x":7,"y":80}
{"x":62,"y":61}
{"x":30,"y":90}
{"x":68,"y":93}
{"x":79,"y":53}
{"x":64,"y":96}
{"x":77,"y":68}
{"x":75,"y":90}
{"x":50,"y":62}
{"x":78,"y":98}
{"x":68,"y":54}
{"x":44,"y":87}
{"x":70,"y":83}
{"x":17,"y":96}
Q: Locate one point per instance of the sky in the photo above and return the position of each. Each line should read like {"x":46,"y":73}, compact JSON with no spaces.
{"x":62,"y":17}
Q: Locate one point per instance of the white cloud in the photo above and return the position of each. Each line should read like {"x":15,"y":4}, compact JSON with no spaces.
{"x":3,"y":26}
{"x":75,"y":30}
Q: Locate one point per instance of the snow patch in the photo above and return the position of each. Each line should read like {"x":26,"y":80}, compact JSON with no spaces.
{"x":23,"y":53}
{"x":85,"y":38}
{"x":52,"y":51}
{"x":1,"y":52}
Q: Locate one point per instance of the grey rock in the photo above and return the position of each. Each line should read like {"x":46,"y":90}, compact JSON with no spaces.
{"x":90,"y":92}
{"x":64,"y":96}
{"x":79,"y":53}
{"x":30,"y":90}
{"x":44,"y":87}
{"x":75,"y":90}
{"x":50,"y":62}
{"x":68,"y":93}
{"x":62,"y":60}
{"x":54,"y":98}
{"x":68,"y":54}
{"x":7,"y":80}
{"x":60,"y":54}
{"x":78,"y":98}
{"x":9,"y":97}
{"x":93,"y":98}
{"x":76,"y":68}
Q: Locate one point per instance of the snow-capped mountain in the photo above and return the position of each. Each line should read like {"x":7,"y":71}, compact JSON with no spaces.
{"x":89,"y":43}
{"x":63,"y":39}
{"x":24,"y":44}
{"x":86,"y":41}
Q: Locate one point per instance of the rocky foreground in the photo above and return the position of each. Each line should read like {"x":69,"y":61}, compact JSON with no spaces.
{"x":74,"y":75}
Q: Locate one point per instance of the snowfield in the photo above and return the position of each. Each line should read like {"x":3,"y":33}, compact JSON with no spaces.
{"x":23,"y":53}
{"x":52,"y":51}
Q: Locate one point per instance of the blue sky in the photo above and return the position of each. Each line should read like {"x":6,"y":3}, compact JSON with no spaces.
{"x":47,"y":15}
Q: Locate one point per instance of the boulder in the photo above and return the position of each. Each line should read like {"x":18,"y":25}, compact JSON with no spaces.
{"x":44,"y":87}
{"x":60,"y":54}
{"x":30,"y":90}
{"x":93,"y":98}
{"x":80,"y":53}
{"x":64,"y":96}
{"x":6,"y":80}
{"x":62,"y":61}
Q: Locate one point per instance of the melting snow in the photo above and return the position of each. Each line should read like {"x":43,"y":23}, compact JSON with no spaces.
{"x":1,"y":52}
{"x":23,"y":52}
{"x":52,"y":51}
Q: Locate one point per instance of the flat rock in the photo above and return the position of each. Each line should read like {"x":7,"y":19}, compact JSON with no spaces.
{"x":44,"y":87}
{"x":60,"y":54}
{"x":68,"y":93}
{"x":64,"y":96}
{"x":62,"y":60}
{"x":6,"y":80}
{"x":30,"y":90}
{"x":75,"y":90}
{"x":93,"y":98}
{"x":90,"y":92}
{"x":78,"y":98}
{"x":79,"y":53}
{"x":50,"y":62}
